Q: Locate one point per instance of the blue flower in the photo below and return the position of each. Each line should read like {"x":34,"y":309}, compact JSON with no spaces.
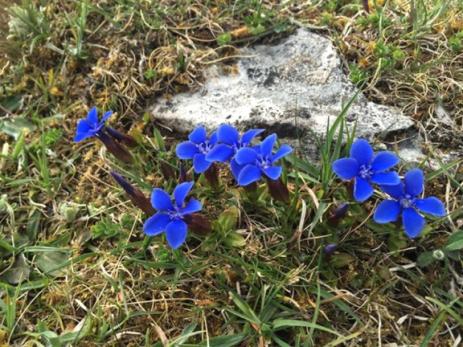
{"x":197,"y":149}
{"x":230,"y":142}
{"x":367,"y":168}
{"x":170,"y":216}
{"x":91,"y":126}
{"x":406,"y":202}
{"x":260,"y":160}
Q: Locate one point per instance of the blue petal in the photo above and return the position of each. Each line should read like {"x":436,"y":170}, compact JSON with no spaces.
{"x":81,"y":136}
{"x":249,"y":135}
{"x":273,"y":172}
{"x":267,"y":144}
{"x":246,"y":155}
{"x":220,"y":152}
{"x":228,"y":134}
{"x":200,"y":164}
{"x":362,"y":189}
{"x":248,"y":175}
{"x":283,"y":151}
{"x":105,"y":117}
{"x":384,"y":161}
{"x":198,"y":135}
{"x":192,"y":207}
{"x":156,"y":224}
{"x":387,"y":211}
{"x":92,"y":116}
{"x":214,"y":138}
{"x":397,"y":191}
{"x":431,"y":205}
{"x":362,"y":151}
{"x":414,"y":182}
{"x":161,"y":200}
{"x":176,"y":233}
{"x":83,"y":131}
{"x":181,"y":191}
{"x":386,"y":178}
{"x":235,"y":168}
{"x":186,"y":150}
{"x":413,"y":222}
{"x":346,"y":168}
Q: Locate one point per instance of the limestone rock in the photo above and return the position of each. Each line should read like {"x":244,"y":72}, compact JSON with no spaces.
{"x":294,"y":88}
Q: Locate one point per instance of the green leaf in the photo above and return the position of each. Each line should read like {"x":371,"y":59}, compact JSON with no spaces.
{"x":248,"y":312}
{"x":52,"y":262}
{"x":14,"y":127}
{"x":455,"y":242}
{"x":224,"y":39}
{"x":341,"y":260}
{"x":425,"y":259}
{"x":396,"y":241}
{"x":12,"y":103}
{"x":19,"y":272}
{"x":224,"y":341}
{"x":288,"y":323}
{"x":234,"y":239}
{"x":228,"y":219}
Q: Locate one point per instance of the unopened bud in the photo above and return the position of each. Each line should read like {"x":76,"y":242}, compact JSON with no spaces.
{"x":330,"y":248}
{"x":337,"y":213}
{"x":135,"y":195}
{"x":127,"y":139}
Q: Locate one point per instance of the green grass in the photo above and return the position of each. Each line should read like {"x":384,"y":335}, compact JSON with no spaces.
{"x":75,"y":268}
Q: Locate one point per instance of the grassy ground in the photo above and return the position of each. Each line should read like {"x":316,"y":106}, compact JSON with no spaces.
{"x":75,"y":267}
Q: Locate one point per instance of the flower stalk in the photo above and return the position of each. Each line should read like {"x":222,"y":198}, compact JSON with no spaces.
{"x":199,"y":224}
{"x":278,"y":190}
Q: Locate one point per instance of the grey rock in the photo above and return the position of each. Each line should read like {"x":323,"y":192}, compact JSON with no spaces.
{"x":295,"y":88}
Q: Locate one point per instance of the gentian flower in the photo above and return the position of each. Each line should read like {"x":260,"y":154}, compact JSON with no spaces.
{"x":171,"y":216}
{"x":260,"y":160}
{"x":406,"y":202}
{"x":230,"y":142}
{"x":197,"y":149}
{"x":91,"y":126}
{"x":366,"y":168}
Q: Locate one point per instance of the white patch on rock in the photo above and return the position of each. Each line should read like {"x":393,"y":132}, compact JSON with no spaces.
{"x":293,"y":88}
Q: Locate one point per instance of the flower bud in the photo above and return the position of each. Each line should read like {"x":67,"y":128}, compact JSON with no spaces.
{"x":337,"y":213}
{"x":136,"y":196}
{"x":330,"y":248}
{"x":128,"y":140}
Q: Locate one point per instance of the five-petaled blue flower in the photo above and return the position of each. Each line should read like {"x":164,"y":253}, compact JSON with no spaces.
{"x":197,"y":149}
{"x":230,"y":142}
{"x":367,"y":168}
{"x":91,"y":126}
{"x":406,"y":202}
{"x":170,"y":216}
{"x":260,"y":160}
